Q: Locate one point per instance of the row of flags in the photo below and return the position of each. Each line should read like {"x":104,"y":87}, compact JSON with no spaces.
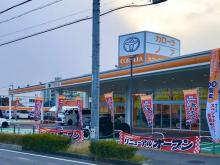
{"x":38,"y":107}
{"x":191,"y":102}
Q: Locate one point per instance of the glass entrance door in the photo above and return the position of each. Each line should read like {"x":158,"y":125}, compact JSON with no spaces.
{"x":166,"y":116}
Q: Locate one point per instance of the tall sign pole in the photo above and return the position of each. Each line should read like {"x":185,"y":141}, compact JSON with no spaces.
{"x":95,"y":70}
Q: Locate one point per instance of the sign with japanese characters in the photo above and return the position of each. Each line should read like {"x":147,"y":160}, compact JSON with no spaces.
{"x":188,"y":144}
{"x":75,"y":135}
{"x":146,"y":47}
{"x":147,"y":106}
{"x":38,"y":105}
{"x":110,"y":102}
{"x":191,"y":105}
{"x":212,"y":107}
{"x":79,"y":103}
{"x":160,"y":46}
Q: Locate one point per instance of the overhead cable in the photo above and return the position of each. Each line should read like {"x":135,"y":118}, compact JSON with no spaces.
{"x":70,"y":23}
{"x":55,"y":20}
{"x":22,"y":3}
{"x":30,"y":11}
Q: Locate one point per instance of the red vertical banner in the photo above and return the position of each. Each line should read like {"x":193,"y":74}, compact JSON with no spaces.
{"x":79,"y":103}
{"x":191,"y":105}
{"x":110,"y":102}
{"x":38,"y":103}
{"x":147,"y":106}
{"x":17,"y":103}
{"x":60,"y":103}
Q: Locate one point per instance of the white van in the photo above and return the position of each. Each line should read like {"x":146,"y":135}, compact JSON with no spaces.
{"x":67,"y":115}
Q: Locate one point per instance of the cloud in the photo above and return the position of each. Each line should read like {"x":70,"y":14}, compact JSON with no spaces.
{"x":189,"y":20}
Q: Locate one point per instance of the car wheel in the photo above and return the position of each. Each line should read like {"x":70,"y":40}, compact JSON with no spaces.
{"x":70,"y":122}
{"x":4,"y":124}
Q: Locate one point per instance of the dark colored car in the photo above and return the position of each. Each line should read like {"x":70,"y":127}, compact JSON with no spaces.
{"x":106,"y":126}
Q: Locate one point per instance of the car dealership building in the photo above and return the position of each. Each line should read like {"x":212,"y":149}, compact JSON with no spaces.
{"x":158,"y":69}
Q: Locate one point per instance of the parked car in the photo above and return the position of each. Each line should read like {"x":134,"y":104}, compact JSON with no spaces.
{"x":31,"y":115}
{"x":106,"y":126}
{"x":22,"y":114}
{"x":6,"y":114}
{"x":4,"y":123}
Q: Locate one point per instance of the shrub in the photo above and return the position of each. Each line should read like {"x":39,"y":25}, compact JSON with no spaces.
{"x":45,"y":142}
{"x":111,"y":149}
{"x":11,"y":138}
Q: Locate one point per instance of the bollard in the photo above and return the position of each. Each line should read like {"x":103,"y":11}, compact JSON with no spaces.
{"x":33,"y":129}
{"x":18,"y":129}
{"x":213,"y":148}
{"x":14,"y":128}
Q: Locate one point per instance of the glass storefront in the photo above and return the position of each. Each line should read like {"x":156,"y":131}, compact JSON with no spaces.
{"x":169,"y":111}
{"x":119,"y":103}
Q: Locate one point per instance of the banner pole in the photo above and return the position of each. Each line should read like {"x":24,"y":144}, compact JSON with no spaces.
{"x":199,"y":114}
{"x":152,"y":117}
{"x":113,"y":122}
{"x":113,"y":116}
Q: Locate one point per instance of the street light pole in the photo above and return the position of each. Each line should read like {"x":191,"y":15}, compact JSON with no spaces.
{"x":131,"y":58}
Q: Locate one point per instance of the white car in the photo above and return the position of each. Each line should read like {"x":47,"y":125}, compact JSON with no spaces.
{"x":22,"y":114}
{"x":4,"y":123}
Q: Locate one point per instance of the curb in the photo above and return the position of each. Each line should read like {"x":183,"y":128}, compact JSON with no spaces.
{"x":71,"y":155}
{"x":91,"y":158}
{"x":11,"y":147}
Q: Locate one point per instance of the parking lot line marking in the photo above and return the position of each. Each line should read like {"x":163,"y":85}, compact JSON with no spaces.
{"x":49,"y":157}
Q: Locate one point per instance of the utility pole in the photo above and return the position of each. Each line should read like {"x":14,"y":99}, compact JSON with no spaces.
{"x":10,"y":101}
{"x":95,"y":70}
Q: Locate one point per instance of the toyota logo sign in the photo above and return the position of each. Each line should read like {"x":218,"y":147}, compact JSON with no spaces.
{"x":131,"y":44}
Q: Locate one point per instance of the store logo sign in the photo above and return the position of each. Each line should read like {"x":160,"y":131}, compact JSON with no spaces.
{"x":131,"y":44}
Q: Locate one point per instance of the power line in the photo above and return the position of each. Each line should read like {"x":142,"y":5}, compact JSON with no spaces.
{"x":30,"y":11}
{"x":54,"y":20}
{"x":44,"y":23}
{"x":22,"y":3}
{"x":73,"y":22}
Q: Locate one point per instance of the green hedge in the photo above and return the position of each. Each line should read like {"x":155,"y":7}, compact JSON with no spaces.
{"x":111,"y":149}
{"x":37,"y":142}
{"x":45,"y":142}
{"x":11,"y":138}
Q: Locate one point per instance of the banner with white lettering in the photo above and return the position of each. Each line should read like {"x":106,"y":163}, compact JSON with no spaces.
{"x":76,"y":135}
{"x":191,"y":105}
{"x":188,"y":144}
{"x":38,"y":103}
{"x":147,"y":106}
{"x":110,"y":102}
{"x":79,"y":103}
{"x":212,"y":107}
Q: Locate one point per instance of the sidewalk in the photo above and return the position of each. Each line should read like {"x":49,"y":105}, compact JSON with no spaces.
{"x":172,"y":158}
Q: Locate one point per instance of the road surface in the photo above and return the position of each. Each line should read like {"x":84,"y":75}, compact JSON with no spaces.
{"x":8,"y":157}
